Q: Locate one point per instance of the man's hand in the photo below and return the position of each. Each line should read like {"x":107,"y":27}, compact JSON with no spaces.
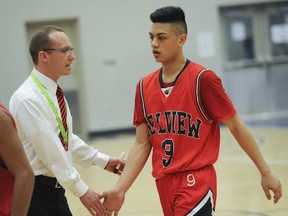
{"x":270,"y":182}
{"x":92,"y":201}
{"x":112,"y":164}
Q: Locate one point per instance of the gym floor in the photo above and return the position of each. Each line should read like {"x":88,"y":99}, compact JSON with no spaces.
{"x":239,"y":187}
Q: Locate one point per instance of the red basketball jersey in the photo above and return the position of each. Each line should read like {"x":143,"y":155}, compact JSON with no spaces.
{"x":182,"y":135}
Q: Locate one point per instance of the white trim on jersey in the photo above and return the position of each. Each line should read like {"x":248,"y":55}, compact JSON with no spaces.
{"x":142,"y":99}
{"x":198,"y":96}
{"x":197,"y":208}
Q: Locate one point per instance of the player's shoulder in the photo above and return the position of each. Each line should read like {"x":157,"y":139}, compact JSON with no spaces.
{"x":201,"y":70}
{"x":208,"y":74}
{"x":153,"y":74}
{"x":149,"y":77}
{"x":208,"y":78}
{"x":5,"y":117}
{"x":194,"y":65}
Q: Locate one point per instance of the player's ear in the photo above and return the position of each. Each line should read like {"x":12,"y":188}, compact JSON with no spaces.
{"x":182,"y":39}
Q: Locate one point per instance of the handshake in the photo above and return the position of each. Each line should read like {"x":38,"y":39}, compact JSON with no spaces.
{"x":112,"y":199}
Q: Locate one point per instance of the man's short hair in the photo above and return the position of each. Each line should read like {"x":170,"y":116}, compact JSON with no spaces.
{"x":41,"y":41}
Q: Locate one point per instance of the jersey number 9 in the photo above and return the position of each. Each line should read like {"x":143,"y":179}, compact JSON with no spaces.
{"x":168,"y":147}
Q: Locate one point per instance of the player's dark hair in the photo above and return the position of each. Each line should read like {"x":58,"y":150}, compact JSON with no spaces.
{"x":170,"y":14}
{"x":41,"y":41}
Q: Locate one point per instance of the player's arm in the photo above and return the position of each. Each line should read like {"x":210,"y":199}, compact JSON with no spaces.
{"x":136,"y":160}
{"x":249,"y":145}
{"x":14,"y":157}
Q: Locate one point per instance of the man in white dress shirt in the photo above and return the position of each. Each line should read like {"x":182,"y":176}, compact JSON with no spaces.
{"x":50,"y":145}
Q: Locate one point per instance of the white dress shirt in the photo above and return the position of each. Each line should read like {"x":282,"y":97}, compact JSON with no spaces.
{"x":39,"y":132}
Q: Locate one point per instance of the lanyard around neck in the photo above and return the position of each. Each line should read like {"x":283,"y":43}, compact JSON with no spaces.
{"x":52,"y":105}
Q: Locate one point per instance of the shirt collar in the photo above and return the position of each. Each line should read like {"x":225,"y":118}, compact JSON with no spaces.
{"x":48,"y":83}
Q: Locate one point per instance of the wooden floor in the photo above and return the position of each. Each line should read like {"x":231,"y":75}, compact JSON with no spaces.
{"x":239,"y":189}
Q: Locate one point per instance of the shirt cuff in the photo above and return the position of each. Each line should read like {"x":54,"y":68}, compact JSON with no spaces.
{"x":101,"y":160}
{"x":80,"y":188}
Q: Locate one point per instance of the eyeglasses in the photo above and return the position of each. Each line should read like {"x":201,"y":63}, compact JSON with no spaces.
{"x":67,"y":50}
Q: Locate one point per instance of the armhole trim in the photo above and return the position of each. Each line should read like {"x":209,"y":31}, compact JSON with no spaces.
{"x":142,"y":99}
{"x":198,"y":96}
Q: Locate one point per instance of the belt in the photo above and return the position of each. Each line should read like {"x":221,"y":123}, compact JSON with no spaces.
{"x":46,"y":180}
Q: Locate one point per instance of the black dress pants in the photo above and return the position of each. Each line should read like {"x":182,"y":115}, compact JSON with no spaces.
{"x":48,"y":198}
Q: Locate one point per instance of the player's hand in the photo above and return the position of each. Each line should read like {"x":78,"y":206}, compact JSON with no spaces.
{"x":112,"y":164}
{"x":113,"y":202}
{"x":271,"y":183}
{"x":92,"y":201}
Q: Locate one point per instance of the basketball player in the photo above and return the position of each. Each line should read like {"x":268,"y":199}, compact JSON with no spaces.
{"x":178,"y":109}
{"x":16,"y":175}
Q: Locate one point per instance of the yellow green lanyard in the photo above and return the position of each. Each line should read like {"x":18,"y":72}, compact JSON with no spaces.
{"x":52,"y":105}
